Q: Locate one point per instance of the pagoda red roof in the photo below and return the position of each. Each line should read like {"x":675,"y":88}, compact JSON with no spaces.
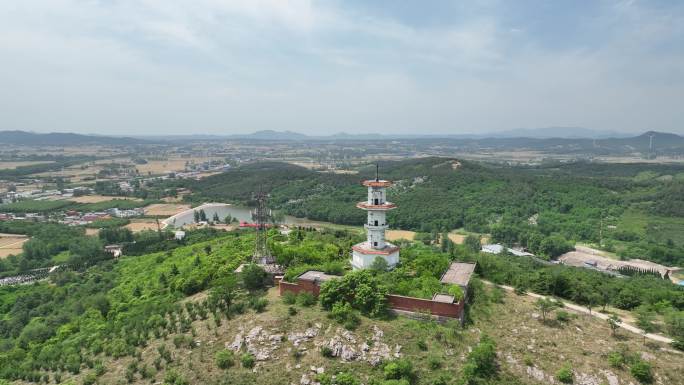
{"x":376,"y":183}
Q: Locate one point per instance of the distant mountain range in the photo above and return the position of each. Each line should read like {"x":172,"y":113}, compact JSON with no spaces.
{"x":555,"y":132}
{"x":552,"y":139}
{"x":534,"y":133}
{"x":24,"y":138}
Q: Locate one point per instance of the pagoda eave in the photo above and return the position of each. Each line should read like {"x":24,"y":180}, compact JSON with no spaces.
{"x":369,"y":250}
{"x":367,"y":206}
{"x":376,"y":183}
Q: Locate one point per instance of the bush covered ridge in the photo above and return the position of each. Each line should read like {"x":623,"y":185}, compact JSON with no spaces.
{"x":79,"y":322}
{"x":521,"y":205}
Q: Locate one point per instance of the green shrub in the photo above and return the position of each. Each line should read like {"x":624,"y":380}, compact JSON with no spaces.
{"x":258,"y":304}
{"x":528,"y":360}
{"x":456,"y":291}
{"x":292,"y":311}
{"x":562,"y":316}
{"x":564,"y":374}
{"x":422,"y":345}
{"x":89,"y":379}
{"x":481,"y":362}
{"x":343,"y":313}
{"x":324,"y":379}
{"x":326,"y":352}
{"x":641,"y":370}
{"x":99,"y":369}
{"x":173,"y":378}
{"x":306,"y":299}
{"x":434,"y":362}
{"x":616,"y":359}
{"x":520,"y":289}
{"x":346,"y":378}
{"x":364,"y":292}
{"x":247,"y":360}
{"x":399,"y":369}
{"x":254,"y":277}
{"x":289,"y":298}
{"x":224,"y":358}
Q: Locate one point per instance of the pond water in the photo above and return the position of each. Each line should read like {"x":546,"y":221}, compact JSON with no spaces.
{"x":242,"y":214}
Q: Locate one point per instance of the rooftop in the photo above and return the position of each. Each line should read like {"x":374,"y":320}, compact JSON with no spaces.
{"x":318,"y":276}
{"x":459,"y":273}
{"x":446,"y":298}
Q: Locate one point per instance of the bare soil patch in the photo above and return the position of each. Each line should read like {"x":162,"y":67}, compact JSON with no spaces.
{"x":165,"y":209}
{"x":458,"y":238}
{"x":393,"y":235}
{"x":583,"y":255}
{"x":99,"y":198}
{"x":141,"y":226}
{"x":11,"y":244}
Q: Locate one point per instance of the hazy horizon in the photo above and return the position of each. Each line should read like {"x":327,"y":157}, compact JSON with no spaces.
{"x":215,"y":67}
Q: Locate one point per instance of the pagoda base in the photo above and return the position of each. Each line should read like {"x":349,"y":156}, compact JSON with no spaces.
{"x":363,"y":255}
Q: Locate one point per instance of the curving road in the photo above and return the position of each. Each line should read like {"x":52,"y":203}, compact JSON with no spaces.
{"x":581,"y":309}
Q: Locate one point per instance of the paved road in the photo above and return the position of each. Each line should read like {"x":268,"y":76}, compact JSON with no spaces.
{"x":581,"y":309}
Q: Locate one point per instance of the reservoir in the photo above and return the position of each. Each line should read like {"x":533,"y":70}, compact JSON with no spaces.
{"x":222,"y":210}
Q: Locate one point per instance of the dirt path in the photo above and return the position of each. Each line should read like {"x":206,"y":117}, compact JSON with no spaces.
{"x":581,"y":309}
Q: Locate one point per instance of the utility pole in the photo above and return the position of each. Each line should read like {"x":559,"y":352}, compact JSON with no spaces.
{"x":651,"y":152}
{"x":260,"y":215}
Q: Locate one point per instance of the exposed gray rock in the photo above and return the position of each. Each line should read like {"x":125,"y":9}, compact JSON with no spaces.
{"x":611,"y":377}
{"x":348,"y":353}
{"x":236,"y":345}
{"x":538,"y":374}
{"x":587,"y":379}
{"x":397,"y":351}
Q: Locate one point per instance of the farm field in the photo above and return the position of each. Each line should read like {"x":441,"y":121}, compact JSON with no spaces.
{"x":14,"y":165}
{"x":169,"y":165}
{"x":90,"y":231}
{"x":165,"y":209}
{"x":458,"y":238}
{"x":393,"y":235}
{"x":10,"y":244}
{"x":660,"y":228}
{"x":99,"y":198}
{"x":139,"y":226}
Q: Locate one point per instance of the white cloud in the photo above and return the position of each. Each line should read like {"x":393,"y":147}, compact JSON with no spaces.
{"x":210,"y":66}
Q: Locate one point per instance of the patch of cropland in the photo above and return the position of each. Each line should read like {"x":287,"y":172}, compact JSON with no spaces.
{"x":46,"y":206}
{"x":555,"y":203}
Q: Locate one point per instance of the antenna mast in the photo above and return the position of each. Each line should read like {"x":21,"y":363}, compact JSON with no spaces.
{"x":260,"y":216}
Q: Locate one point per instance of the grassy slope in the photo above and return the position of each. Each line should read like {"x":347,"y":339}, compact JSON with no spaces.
{"x":662,"y":228}
{"x":584,"y":343}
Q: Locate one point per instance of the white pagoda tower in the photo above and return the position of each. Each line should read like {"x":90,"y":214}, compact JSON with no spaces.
{"x":363,"y":254}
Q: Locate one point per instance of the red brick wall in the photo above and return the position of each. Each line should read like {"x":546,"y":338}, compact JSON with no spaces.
{"x":298,"y":287}
{"x":398,"y":302}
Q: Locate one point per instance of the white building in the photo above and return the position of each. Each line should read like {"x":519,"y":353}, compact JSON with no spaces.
{"x":375,"y":246}
{"x":498,"y":249}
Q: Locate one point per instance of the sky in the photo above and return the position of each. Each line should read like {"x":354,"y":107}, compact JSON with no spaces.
{"x":156,"y":67}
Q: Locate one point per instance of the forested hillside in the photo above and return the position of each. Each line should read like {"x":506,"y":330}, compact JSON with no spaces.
{"x":639,"y":205}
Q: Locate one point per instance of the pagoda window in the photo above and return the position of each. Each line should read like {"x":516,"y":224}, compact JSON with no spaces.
{"x":376,"y":223}
{"x":375,"y":243}
{"x":377,"y":201}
